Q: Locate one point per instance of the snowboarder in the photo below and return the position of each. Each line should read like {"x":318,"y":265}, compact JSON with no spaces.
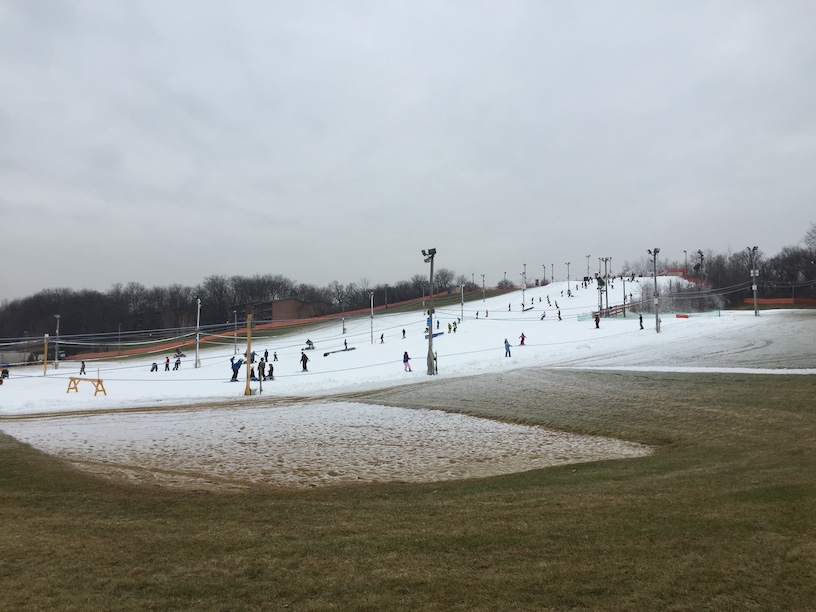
{"x":597,"y":321}
{"x":270,"y":375}
{"x":382,"y":338}
{"x":345,"y":345}
{"x":543,"y":314}
{"x":405,"y":361}
{"x":167,"y":364}
{"x":274,"y":355}
{"x":262,"y":369}
{"x":154,"y":367}
{"x":559,"y":315}
{"x":266,"y":356}
{"x":522,"y":337}
{"x":641,"y":321}
{"x":304,"y":360}
{"x":82,"y":369}
{"x":236,"y":365}
{"x":403,"y":334}
{"x":177,"y":364}
{"x":506,"y":348}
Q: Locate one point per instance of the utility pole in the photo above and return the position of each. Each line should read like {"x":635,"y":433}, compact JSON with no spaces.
{"x":654,"y":253}
{"x":754,"y":277}
{"x":56,"y":352}
{"x":483,"y":288}
{"x":371,"y":297}
{"x":429,"y":258}
{"x":248,"y":390}
{"x":198,"y":330}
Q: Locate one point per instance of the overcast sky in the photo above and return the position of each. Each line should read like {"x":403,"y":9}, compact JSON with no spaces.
{"x":166,"y":141}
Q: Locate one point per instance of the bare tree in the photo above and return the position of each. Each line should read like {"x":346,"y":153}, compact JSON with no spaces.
{"x":810,"y":237}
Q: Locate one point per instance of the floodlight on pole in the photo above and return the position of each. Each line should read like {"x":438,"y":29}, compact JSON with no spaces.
{"x":654,"y":253}
{"x":429,"y":258}
{"x":685,"y":262}
{"x":235,"y":331}
{"x":754,"y":277}
{"x":483,"y":288}
{"x":568,"y":276}
{"x":588,"y":266}
{"x":198,"y":330}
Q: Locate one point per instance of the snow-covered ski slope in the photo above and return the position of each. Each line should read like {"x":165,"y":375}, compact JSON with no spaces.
{"x":778,"y":341}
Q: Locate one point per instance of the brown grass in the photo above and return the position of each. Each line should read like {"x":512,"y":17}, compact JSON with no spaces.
{"x":722,"y":517}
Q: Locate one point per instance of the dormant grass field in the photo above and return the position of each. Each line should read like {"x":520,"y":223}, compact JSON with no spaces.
{"x":721,"y":516}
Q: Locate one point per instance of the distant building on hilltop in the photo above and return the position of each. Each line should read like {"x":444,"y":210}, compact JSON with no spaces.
{"x":282,"y":310}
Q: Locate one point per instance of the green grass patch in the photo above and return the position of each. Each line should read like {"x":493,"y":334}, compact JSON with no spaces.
{"x":721,"y":516}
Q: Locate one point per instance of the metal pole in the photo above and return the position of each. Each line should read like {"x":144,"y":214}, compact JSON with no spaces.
{"x":483,"y":288}
{"x":371,"y":297}
{"x":56,"y":352}
{"x":120,"y":338}
{"x":45,"y":353}
{"x":654,"y":253}
{"x":198,"y":329}
{"x":754,"y":278}
{"x":587,"y":266}
{"x":235,"y":331}
{"x":462,"y":305}
{"x":624,"y":298}
{"x":568,"y":276}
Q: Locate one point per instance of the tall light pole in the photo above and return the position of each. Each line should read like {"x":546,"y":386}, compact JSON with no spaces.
{"x":386,"y":295}
{"x":544,"y":278}
{"x":120,"y":338}
{"x":654,"y":253}
{"x":483,"y":288}
{"x":371,"y":297}
{"x":462,"y":304}
{"x":235,"y":331}
{"x":523,"y":283}
{"x":429,"y":258}
{"x":685,"y":262}
{"x":198,"y":329}
{"x":568,"y":276}
{"x":587,"y":266}
{"x":700,"y":271}
{"x":56,"y":353}
{"x":552,"y":273}
{"x":754,"y":277}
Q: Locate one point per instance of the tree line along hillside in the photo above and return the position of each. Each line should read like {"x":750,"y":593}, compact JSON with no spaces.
{"x":790,"y":273}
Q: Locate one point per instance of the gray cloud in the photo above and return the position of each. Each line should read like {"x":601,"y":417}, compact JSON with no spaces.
{"x":162,"y":142}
